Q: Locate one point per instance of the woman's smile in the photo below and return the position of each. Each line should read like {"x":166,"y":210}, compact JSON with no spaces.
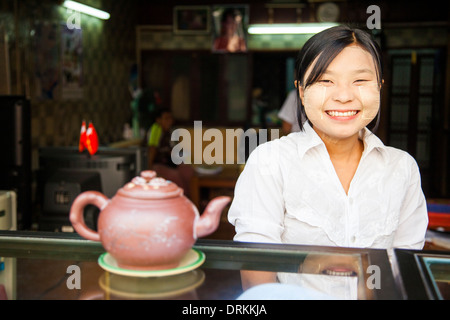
{"x":342,"y":115}
{"x":339,"y":272}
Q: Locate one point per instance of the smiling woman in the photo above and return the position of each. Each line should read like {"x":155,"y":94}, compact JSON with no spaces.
{"x":346,"y":94}
{"x":334,"y":183}
{"x":365,"y":69}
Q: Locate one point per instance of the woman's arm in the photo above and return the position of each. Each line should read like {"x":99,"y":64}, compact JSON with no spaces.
{"x":253,"y":278}
{"x":413,"y":221}
{"x":257,"y":210}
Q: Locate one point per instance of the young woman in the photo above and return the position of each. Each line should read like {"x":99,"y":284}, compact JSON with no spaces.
{"x":334,"y":183}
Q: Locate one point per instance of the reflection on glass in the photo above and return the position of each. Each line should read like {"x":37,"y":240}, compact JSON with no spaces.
{"x":168,"y":287}
{"x":438,"y":270}
{"x":339,"y":276}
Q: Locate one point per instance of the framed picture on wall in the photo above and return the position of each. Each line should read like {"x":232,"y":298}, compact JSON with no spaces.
{"x":192,"y":20}
{"x":230,"y":25}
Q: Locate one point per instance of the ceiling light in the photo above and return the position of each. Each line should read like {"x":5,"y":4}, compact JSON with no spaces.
{"x":285,"y":28}
{"x":86,"y":9}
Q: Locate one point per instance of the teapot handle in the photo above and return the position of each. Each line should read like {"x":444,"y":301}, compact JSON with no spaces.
{"x":76,"y":212}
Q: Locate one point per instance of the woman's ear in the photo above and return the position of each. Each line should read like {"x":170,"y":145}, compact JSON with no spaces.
{"x":300,"y":89}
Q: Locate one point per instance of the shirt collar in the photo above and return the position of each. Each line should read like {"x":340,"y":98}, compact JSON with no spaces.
{"x":372,"y":142}
{"x":309,"y":139}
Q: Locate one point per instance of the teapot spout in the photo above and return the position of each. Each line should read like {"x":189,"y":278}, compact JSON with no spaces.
{"x":209,"y":220}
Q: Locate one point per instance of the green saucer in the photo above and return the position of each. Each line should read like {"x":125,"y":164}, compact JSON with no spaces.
{"x":192,"y":260}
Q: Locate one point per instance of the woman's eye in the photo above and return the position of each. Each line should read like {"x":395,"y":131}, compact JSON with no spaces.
{"x":361,"y":81}
{"x":325,"y":81}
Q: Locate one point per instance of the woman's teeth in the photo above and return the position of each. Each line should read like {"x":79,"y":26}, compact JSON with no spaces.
{"x":341,"y":114}
{"x":349,"y":273}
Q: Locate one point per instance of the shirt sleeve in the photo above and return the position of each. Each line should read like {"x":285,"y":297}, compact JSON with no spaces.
{"x":155,"y":135}
{"x":413,"y":220}
{"x":288,"y":111}
{"x":257,"y":210}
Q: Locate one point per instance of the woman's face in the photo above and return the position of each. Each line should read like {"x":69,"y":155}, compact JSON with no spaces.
{"x":346,"y":98}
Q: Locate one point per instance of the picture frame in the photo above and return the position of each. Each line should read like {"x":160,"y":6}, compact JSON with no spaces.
{"x":191,"y":20}
{"x":230,"y":23}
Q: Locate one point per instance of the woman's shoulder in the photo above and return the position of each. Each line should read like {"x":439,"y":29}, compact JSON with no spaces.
{"x":277,"y":150}
{"x":392,"y":156}
{"x":401,"y":161}
{"x":396,"y":154}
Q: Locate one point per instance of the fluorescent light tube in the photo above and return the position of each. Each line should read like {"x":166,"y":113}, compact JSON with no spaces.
{"x":285,"y":28}
{"x":86,"y":9}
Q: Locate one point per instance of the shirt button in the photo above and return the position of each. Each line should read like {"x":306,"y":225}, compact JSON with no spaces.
{"x":353,"y":239}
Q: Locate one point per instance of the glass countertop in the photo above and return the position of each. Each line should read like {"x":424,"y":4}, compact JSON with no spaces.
{"x":41,"y":266}
{"x":437,"y":269}
{"x":424,"y":274}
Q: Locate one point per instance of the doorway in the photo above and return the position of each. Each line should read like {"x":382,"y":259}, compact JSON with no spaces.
{"x":416,"y":112}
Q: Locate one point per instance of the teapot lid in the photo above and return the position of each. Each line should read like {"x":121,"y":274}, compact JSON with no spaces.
{"x":149,"y":186}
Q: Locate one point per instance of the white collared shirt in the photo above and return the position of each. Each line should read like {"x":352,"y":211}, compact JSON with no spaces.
{"x":289,"y":192}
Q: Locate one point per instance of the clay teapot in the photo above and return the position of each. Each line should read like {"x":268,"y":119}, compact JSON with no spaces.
{"x":149,"y":224}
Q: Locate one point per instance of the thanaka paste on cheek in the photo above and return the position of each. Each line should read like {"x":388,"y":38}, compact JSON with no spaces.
{"x":370,"y":100}
{"x":314,"y":98}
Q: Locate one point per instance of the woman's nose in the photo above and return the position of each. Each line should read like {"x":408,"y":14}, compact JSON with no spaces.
{"x":343,"y":93}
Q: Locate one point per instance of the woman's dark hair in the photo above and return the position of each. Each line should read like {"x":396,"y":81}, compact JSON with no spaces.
{"x":325,"y":46}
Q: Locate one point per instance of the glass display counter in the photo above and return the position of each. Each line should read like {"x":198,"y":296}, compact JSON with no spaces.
{"x":40,"y":265}
{"x":424,"y":274}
